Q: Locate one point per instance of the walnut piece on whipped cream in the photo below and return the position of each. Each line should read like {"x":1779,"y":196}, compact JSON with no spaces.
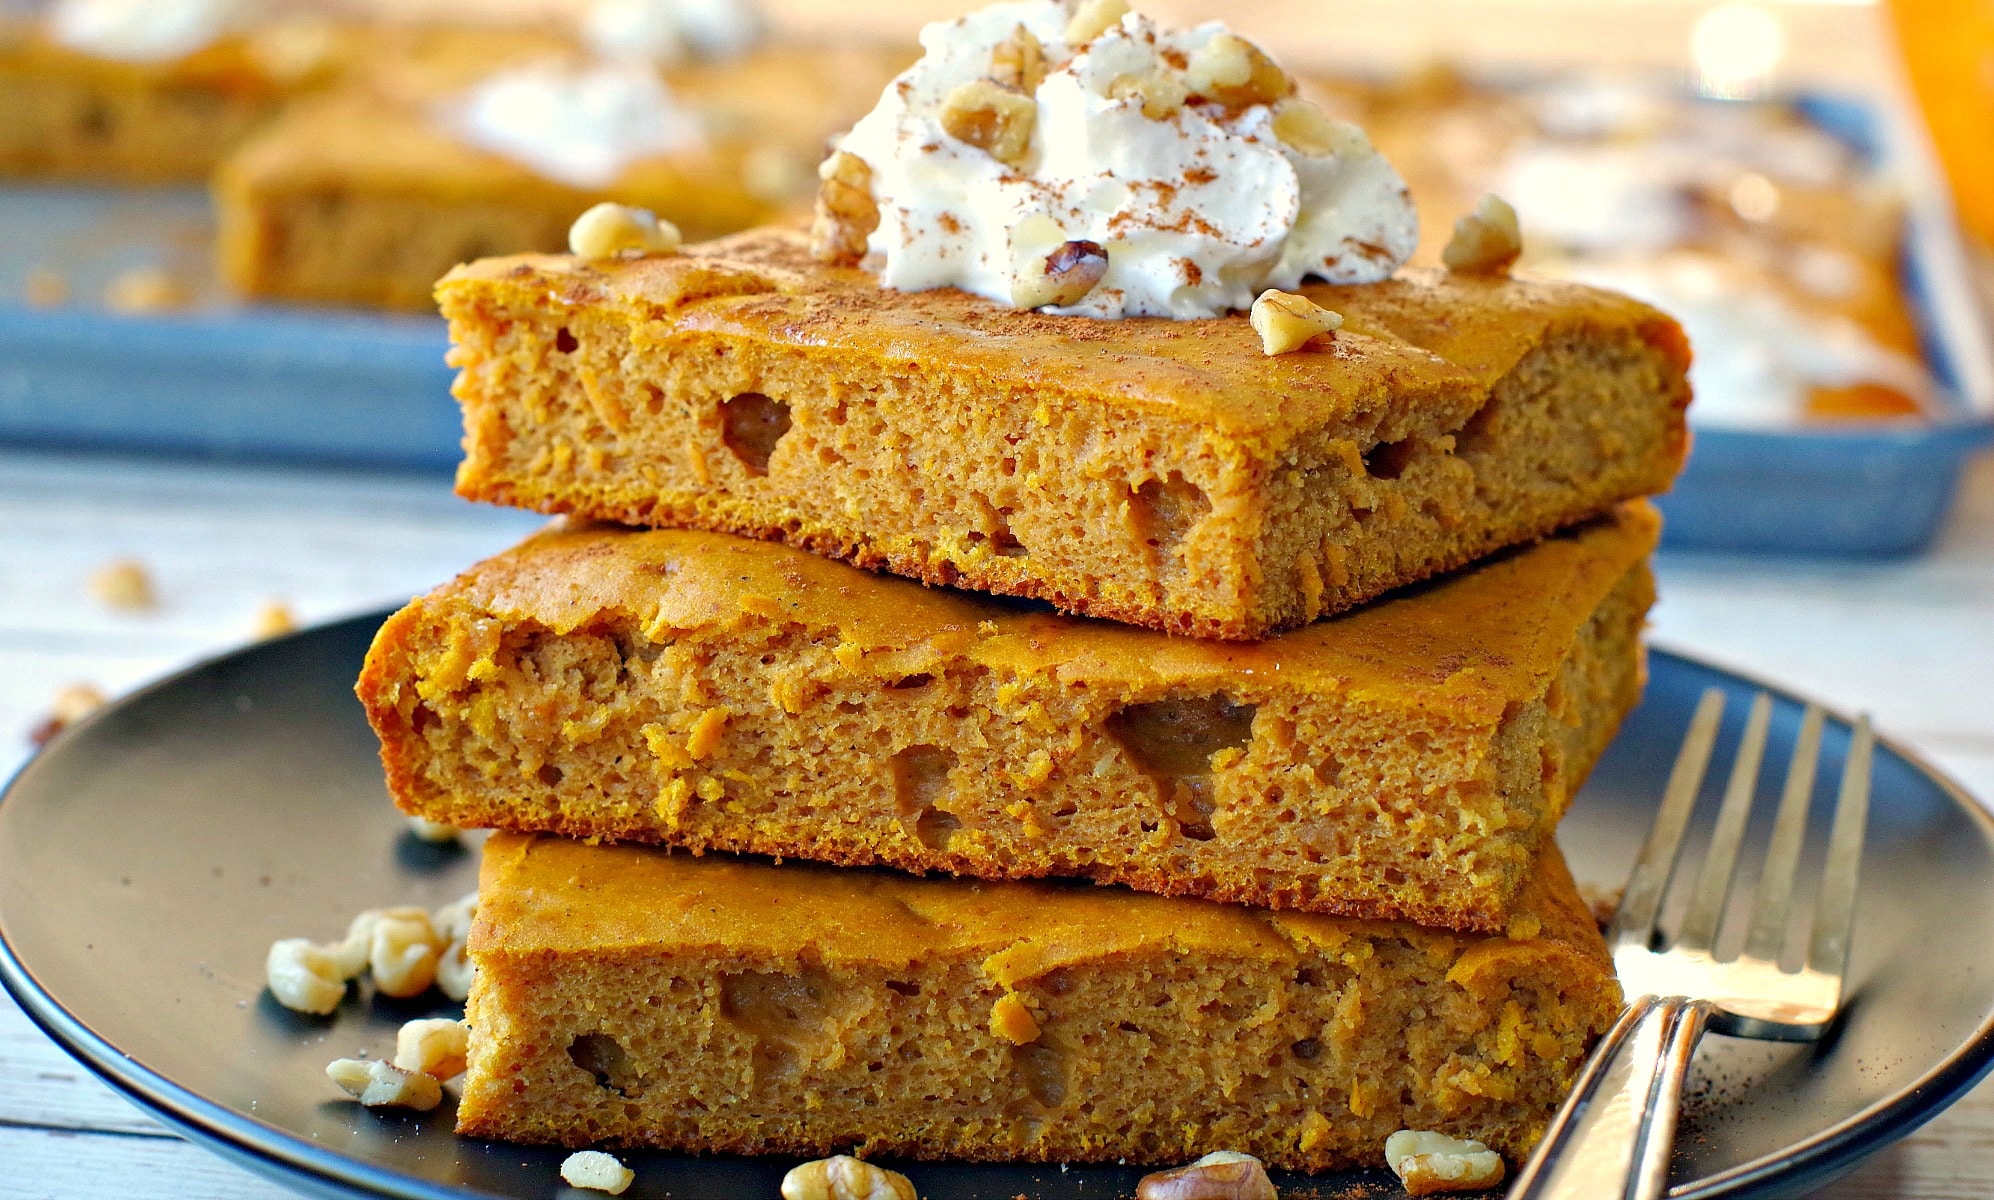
{"x":991,"y":117}
{"x":1018,"y":62}
{"x":1062,"y":277}
{"x":1486,"y":241}
{"x":1287,"y":322}
{"x":1035,"y":124}
{"x":1092,"y":18}
{"x":1232,"y":71}
{"x":1428,"y":1163}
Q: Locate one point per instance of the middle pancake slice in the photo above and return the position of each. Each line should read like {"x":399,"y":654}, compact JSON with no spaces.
{"x":1407,"y":760}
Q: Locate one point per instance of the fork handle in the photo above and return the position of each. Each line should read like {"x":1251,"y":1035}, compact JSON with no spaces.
{"x":1612,"y":1136}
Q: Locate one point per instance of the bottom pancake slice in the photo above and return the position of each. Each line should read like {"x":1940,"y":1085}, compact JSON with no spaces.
{"x":629,"y":996}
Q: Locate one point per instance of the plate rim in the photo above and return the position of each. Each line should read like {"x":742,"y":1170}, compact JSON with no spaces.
{"x":257,"y":1144}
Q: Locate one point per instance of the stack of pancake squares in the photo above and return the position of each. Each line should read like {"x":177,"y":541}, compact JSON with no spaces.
{"x":960,"y":732}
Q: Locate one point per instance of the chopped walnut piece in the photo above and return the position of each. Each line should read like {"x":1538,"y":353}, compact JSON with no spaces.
{"x":1092,"y":19}
{"x":143,"y":290}
{"x":351,"y":952}
{"x":1486,"y":241}
{"x":993,"y":118}
{"x":610,"y":230}
{"x":1220,"y":1175}
{"x":124,"y":583}
{"x":435,"y":1046}
{"x":1287,"y":322}
{"x":455,"y":971}
{"x":596,"y":1171}
{"x":1232,"y":71}
{"x":1018,"y":62}
{"x":303,"y":977}
{"x":403,"y":952}
{"x":846,"y":212}
{"x":1162,"y":93}
{"x":71,"y":704}
{"x":452,"y":922}
{"x":842,"y":1177}
{"x":1063,"y":277}
{"x":376,"y":1084}
{"x":1427,"y":1163}
{"x":1303,"y":126}
{"x":44,"y":287}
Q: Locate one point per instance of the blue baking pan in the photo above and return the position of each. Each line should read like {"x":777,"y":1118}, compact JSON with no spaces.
{"x":251,"y":383}
{"x":1870,"y":489}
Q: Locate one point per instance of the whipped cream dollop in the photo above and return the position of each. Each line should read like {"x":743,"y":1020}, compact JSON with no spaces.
{"x":670,"y":31}
{"x":142,"y":31}
{"x":1198,"y":204}
{"x":581,"y":125}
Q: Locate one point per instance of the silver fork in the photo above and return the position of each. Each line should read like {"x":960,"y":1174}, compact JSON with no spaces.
{"x":1611,"y":1139}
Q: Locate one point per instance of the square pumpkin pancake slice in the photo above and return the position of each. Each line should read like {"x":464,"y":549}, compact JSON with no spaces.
{"x":1156,"y":472}
{"x":367,"y":194}
{"x":630,"y":997}
{"x":1406,"y":760}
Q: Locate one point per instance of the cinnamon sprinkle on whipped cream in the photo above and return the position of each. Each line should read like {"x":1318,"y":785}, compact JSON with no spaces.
{"x":1030,"y":126}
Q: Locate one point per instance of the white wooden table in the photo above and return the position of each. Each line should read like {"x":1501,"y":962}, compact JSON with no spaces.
{"x":1912,"y":642}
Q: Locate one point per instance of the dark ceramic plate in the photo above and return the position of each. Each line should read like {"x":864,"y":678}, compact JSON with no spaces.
{"x":149,"y":857}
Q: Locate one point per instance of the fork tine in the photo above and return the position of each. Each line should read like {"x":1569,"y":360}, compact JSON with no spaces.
{"x":1774,"y":897}
{"x":1835,"y":911}
{"x":1713,"y":883}
{"x":1634,"y":919}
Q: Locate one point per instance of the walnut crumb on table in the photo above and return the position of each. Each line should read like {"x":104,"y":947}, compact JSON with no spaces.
{"x":596,"y":1171}
{"x":144,"y":290}
{"x":124,"y":583}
